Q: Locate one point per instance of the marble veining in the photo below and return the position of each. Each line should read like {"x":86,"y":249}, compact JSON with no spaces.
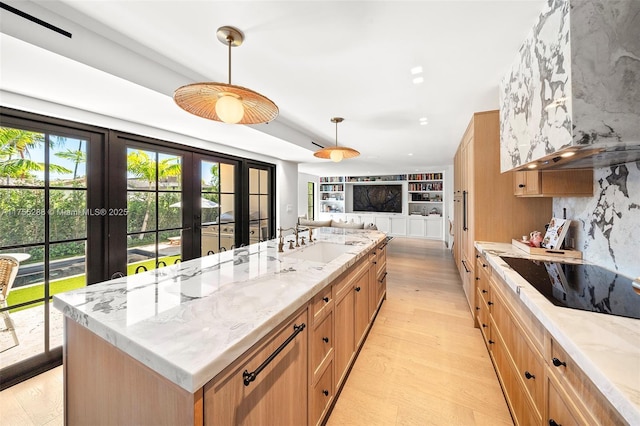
{"x":189,"y":321}
{"x":575,"y":82}
{"x":605,"y":347}
{"x":605,"y":226}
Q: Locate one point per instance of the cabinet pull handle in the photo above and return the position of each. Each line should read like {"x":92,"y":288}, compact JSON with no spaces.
{"x":358,"y":289}
{"x":529,"y":375}
{"x":325,"y":392}
{"x":558,"y":363}
{"x":484,"y":291}
{"x":325,"y":339}
{"x":489,"y":303}
{"x":484,"y":265}
{"x":553,"y":423}
{"x":326,"y":299}
{"x":375,"y":263}
{"x":484,"y":325}
{"x":464,"y":211}
{"x":250,"y":377}
{"x":477,"y":308}
{"x":521,"y":185}
{"x":491,"y":342}
{"x":465,"y":266}
{"x":141,"y":267}
{"x":383,"y":277}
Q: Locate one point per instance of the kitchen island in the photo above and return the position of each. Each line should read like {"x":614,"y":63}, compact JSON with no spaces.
{"x":587,"y":364}
{"x":159,"y":347}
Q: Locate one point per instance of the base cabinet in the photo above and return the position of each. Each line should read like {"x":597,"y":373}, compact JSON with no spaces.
{"x":231,"y":399}
{"x":541,"y":383}
{"x":289,"y":377}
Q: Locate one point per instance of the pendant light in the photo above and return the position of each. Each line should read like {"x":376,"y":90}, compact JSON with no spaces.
{"x":226,"y":102}
{"x":336,"y":153}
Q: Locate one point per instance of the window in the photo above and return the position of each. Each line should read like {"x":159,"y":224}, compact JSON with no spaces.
{"x":311,"y":208}
{"x":154,"y":209}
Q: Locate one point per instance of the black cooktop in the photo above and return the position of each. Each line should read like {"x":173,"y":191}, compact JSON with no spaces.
{"x":584,"y":287}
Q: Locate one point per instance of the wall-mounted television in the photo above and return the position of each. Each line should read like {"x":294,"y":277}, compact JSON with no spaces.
{"x":377,"y":198}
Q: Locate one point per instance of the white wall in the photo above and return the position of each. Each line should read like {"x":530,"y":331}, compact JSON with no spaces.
{"x":606,"y":227}
{"x":287,"y":194}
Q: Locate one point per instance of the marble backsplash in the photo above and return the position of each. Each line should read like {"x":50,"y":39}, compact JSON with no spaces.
{"x":606,"y":227}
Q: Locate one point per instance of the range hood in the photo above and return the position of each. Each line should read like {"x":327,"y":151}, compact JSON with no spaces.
{"x":572,"y":96}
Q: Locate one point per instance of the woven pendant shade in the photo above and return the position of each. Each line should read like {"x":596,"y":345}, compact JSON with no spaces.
{"x":200,"y":99}
{"x":238,"y":105}
{"x":336,"y":153}
{"x":346,"y":152}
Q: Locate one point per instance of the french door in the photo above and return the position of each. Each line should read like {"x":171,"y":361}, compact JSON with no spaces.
{"x":51,"y":231}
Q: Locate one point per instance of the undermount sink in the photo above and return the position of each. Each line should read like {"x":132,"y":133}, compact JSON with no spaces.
{"x":320,"y":252}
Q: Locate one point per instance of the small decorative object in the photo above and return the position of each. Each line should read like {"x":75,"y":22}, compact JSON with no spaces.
{"x":535,"y":239}
{"x":556,"y":232}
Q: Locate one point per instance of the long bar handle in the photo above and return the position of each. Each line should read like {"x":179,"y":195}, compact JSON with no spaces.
{"x":250,"y":377}
{"x":383,"y":277}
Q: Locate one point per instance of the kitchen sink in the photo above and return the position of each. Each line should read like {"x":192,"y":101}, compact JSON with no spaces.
{"x":320,"y":252}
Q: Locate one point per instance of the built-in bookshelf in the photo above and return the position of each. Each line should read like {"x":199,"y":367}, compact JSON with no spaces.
{"x":423,"y":203}
{"x":383,"y":178}
{"x":332,"y":194}
{"x":426,"y":194}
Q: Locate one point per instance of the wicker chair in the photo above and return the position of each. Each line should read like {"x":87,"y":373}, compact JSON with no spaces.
{"x":8,"y":271}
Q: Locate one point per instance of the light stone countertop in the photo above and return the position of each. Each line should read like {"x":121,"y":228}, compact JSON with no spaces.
{"x":605,"y":347}
{"x":189,"y":321}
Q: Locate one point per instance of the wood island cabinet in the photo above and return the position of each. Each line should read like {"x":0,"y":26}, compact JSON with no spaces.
{"x":230,"y":399}
{"x":291,"y":376}
{"x":541,"y":383}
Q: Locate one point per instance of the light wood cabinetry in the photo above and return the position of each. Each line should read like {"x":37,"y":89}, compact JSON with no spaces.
{"x":230,"y":399}
{"x":485,"y":208}
{"x":541,"y":383}
{"x":553,"y":183}
{"x":289,"y":377}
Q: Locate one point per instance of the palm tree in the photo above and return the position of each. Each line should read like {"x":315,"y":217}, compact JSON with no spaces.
{"x":140,"y":165}
{"x":14,"y":154}
{"x":78,"y":156}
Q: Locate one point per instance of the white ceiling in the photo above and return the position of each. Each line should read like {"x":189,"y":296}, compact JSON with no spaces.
{"x":314,"y":59}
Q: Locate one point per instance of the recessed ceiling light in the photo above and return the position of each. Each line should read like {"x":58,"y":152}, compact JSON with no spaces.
{"x":424,"y":121}
{"x":418,"y":80}
{"x":410,"y":154}
{"x":416,"y":70}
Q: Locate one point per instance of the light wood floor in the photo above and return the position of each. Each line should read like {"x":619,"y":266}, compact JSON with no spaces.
{"x":423,"y":363}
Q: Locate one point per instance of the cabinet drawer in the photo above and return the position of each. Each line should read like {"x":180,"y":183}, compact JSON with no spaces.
{"x":321,"y":397}
{"x":519,"y":404}
{"x":321,"y":344}
{"x":381,"y":261}
{"x":321,"y":303}
{"x":581,"y":389}
{"x":482,"y":312}
{"x":530,"y":366}
{"x":558,"y":411}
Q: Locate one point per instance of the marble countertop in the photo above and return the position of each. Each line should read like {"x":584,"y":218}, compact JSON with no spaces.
{"x":189,"y":321}
{"x":606,"y":347}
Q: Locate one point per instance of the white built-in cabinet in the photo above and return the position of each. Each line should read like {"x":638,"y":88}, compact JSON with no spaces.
{"x":423,"y":210}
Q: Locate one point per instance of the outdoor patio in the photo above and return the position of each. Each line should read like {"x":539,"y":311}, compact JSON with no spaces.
{"x":29,"y":324}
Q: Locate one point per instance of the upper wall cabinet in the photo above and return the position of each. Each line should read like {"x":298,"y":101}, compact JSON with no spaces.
{"x":572,"y":98}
